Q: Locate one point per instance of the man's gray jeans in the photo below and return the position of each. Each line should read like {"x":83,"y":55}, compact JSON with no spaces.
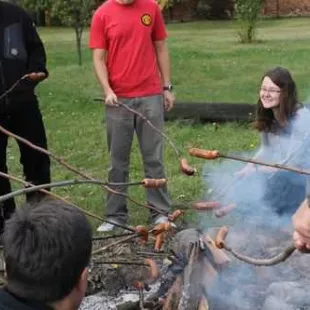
{"x":121,"y":125}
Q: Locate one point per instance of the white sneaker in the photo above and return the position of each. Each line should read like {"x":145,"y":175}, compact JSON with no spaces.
{"x":105,"y":227}
{"x":163,"y":219}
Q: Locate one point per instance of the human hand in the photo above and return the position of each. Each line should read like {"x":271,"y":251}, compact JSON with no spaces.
{"x":169,"y":99}
{"x":301,"y":223}
{"x":110,"y":99}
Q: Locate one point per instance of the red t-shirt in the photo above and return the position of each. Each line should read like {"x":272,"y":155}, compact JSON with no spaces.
{"x":127,"y":33}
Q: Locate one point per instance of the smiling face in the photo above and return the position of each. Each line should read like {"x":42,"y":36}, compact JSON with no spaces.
{"x":270,"y":94}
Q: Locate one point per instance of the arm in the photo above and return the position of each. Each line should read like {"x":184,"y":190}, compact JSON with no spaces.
{"x":99,"y":61}
{"x":36,"y":61}
{"x":162,"y":54}
{"x":160,"y":46}
{"x":163,"y":61}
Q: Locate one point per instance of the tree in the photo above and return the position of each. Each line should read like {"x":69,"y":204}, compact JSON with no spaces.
{"x":247,"y":12}
{"x":73,"y":13}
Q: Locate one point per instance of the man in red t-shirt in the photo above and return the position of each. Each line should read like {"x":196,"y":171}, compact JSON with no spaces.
{"x":132,"y":64}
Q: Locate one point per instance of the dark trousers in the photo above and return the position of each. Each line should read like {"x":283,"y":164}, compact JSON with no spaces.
{"x":28,"y":124}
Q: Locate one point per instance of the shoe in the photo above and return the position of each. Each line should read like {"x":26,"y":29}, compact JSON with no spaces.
{"x":162,"y":219}
{"x":106,"y":227}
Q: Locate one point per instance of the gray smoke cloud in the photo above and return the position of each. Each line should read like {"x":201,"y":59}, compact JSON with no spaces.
{"x":260,"y":225}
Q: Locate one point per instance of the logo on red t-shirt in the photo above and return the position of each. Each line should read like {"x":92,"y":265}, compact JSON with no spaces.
{"x":146,"y":19}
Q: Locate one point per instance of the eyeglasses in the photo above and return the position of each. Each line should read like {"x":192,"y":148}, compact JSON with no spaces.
{"x":271,"y":91}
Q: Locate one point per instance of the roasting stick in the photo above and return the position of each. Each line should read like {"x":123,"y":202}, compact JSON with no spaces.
{"x":281,"y":257}
{"x":213,"y":154}
{"x":147,"y":183}
{"x":62,"y":162}
{"x":184,"y":166}
{"x":34,"y":76}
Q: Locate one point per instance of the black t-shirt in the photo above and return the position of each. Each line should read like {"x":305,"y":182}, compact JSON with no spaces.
{"x":8,"y":301}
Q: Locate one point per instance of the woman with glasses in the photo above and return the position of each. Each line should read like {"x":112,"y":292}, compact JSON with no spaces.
{"x":284,"y":125}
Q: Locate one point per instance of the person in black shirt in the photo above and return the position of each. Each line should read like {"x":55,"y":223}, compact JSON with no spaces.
{"x":21,"y":52}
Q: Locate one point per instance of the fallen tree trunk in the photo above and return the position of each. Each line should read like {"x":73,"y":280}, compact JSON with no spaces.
{"x":212,"y":112}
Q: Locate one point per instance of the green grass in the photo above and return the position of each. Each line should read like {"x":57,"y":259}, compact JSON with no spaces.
{"x":208,"y":64}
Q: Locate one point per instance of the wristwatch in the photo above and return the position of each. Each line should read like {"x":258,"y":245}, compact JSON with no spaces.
{"x":168,"y":87}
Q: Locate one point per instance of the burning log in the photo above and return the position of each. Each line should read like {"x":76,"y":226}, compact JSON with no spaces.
{"x":220,"y":243}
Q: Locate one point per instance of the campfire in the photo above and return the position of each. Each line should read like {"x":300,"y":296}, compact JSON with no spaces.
{"x":171,"y":266}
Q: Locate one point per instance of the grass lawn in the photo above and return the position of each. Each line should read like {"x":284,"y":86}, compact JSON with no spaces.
{"x":208,"y":65}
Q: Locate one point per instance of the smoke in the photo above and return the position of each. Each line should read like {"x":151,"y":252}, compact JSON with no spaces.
{"x":260,"y":225}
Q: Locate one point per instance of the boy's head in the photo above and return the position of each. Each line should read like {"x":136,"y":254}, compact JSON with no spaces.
{"x":47,"y":249}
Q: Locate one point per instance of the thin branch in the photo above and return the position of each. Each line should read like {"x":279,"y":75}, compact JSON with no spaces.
{"x":281,"y":257}
{"x":220,"y":243}
{"x":128,"y":238}
{"x":258,"y":162}
{"x":62,"y":162}
{"x":119,"y":263}
{"x":60,"y":184}
{"x":176,"y":150}
{"x":12,"y":87}
{"x":110,"y":237}
{"x":13,"y":178}
{"x":213,"y":154}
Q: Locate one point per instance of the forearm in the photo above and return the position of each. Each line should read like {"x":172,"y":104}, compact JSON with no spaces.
{"x":102,"y":72}
{"x":163,"y":61}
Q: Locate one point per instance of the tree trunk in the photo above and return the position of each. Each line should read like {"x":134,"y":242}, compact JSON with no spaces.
{"x":78,"y":33}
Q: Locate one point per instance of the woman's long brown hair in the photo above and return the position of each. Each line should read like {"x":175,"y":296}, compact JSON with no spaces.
{"x":288,"y":100}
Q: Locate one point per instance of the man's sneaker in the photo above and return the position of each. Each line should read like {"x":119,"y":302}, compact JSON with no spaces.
{"x":162,"y":219}
{"x":105,"y":227}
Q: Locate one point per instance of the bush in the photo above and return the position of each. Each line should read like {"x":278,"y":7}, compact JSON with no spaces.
{"x":247,"y":12}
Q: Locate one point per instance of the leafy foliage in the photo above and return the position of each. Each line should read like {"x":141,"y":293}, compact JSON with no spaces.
{"x":74,"y":13}
{"x":247,"y":12}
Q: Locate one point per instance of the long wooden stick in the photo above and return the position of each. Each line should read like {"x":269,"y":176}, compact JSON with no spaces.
{"x":220,"y":243}
{"x":128,"y":238}
{"x":212,"y":154}
{"x":281,"y":257}
{"x":13,"y":178}
{"x":69,"y":183}
{"x":176,"y":150}
{"x":62,"y":162}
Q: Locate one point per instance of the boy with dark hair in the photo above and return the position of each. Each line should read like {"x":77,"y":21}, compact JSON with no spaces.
{"x":47,"y":250}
